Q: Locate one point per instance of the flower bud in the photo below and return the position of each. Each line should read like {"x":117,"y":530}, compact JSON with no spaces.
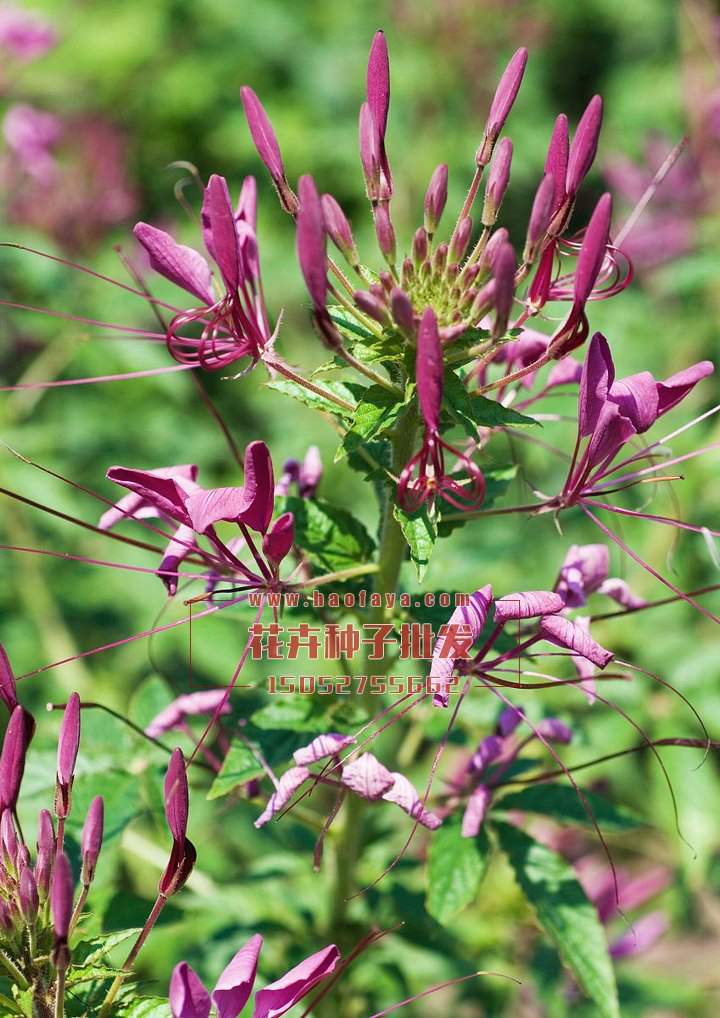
{"x":557,"y":159}
{"x":439,"y":259}
{"x":183,"y":854}
{"x":505,"y":96}
{"x":487,"y":258}
{"x":8,"y":837}
{"x":8,"y":691}
{"x":407,"y":275}
{"x":91,"y":841}
{"x":310,"y":472}
{"x":68,"y":745}
{"x":460,"y":240}
{"x":402,"y":311}
{"x":267,"y":147}
{"x":483,"y":301}
{"x":18,"y":734}
{"x":338,"y":229}
{"x":419,"y":247}
{"x":504,"y":276}
{"x":279,"y":539}
{"x":476,"y":811}
{"x":497,"y":182}
{"x":584,"y":146}
{"x":45,"y":853}
{"x":435,"y":198}
{"x":539,"y":217}
{"x":372,"y":306}
{"x":384,"y":232}
{"x":28,"y":899}
{"x":311,"y":242}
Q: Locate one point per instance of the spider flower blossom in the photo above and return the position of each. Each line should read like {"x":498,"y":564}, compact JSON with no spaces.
{"x":24,"y":34}
{"x":173,"y":494}
{"x":190,"y":999}
{"x":235,"y":325}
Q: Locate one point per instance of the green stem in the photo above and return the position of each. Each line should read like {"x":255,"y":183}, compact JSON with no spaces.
{"x":60,"y":993}
{"x":13,"y":971}
{"x":390,"y":559}
{"x":112,"y":993}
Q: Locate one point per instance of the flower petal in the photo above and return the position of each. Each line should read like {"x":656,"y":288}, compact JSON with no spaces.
{"x":677,"y":386}
{"x":329,"y":744}
{"x":218,"y":210}
{"x":473,"y":615}
{"x":403,"y":794}
{"x":476,"y":811}
{"x":368,"y":777}
{"x":598,"y":374}
{"x":180,"y":264}
{"x":564,"y":633}
{"x":287,"y":787}
{"x":277,"y":998}
{"x":188,"y":996}
{"x":527,"y":604}
{"x":583,"y":571}
{"x":235,"y":985}
{"x":205,"y":701}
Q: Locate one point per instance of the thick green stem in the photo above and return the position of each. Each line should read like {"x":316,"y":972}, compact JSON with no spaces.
{"x":390,"y":559}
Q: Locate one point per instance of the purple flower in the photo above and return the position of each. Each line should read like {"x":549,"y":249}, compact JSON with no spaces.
{"x":445,"y":652}
{"x":172,"y":717}
{"x":329,"y":744}
{"x":287,"y":787}
{"x":45,"y":853}
{"x":584,"y":569}
{"x":404,"y":794}
{"x":584,"y":146}
{"x":476,"y":811}
{"x":235,"y":326}
{"x":28,"y":898}
{"x":31,"y":134}
{"x":563,"y":633}
{"x":338,"y":229}
{"x":23,"y":34}
{"x":527,"y":605}
{"x":367,"y":777}
{"x":190,"y":999}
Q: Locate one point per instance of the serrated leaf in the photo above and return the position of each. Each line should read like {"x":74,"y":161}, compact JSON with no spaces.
{"x":376,"y":413}
{"x":292,"y":713}
{"x":456,"y":866}
{"x":91,"y":952}
{"x":313,"y":399}
{"x":563,"y":910}
{"x":563,"y":804}
{"x":330,"y":536}
{"x":420,"y":531}
{"x":347,"y":323}
{"x":473,"y":412}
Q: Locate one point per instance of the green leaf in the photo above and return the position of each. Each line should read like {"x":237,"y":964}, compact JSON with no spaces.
{"x":563,"y":910}
{"x":97,"y":950}
{"x":376,"y":413}
{"x":347,"y":324}
{"x":331,"y":537}
{"x":291,"y":713}
{"x":473,"y":411}
{"x":420,"y":531}
{"x":456,"y":866}
{"x":313,"y":399}
{"x":239,"y":766}
{"x":563,"y":804}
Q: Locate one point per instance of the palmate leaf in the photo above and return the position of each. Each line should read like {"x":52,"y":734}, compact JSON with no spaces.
{"x":420,"y":531}
{"x":473,"y":412}
{"x":563,"y":804}
{"x":330,"y":536}
{"x":456,"y":866}
{"x":564,"y":912}
{"x":376,"y":413}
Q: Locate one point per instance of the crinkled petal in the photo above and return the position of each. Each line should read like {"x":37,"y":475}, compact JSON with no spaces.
{"x":287,"y":787}
{"x":554,"y":730}
{"x":367,"y":776}
{"x":180,"y":264}
{"x":476,"y":811}
{"x":489,"y":749}
{"x":403,"y":794}
{"x":473,"y":615}
{"x":235,"y":985}
{"x":527,"y":604}
{"x":583,"y":571}
{"x":619,"y":590}
{"x":205,"y":701}
{"x":564,"y":633}
{"x":329,"y":744}
{"x":277,"y":998}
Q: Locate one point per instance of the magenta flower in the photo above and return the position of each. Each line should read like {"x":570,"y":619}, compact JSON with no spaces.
{"x":446,"y":653}
{"x":190,"y":999}
{"x":31,"y":135}
{"x":235,"y":326}
{"x":23,"y":34}
{"x":173,"y":717}
{"x":8,"y":689}
{"x":432,"y":479}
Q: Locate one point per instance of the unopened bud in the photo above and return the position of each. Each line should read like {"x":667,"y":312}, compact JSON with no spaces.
{"x":540,"y":215}
{"x":419,"y":247}
{"x":68,"y":745}
{"x":338,"y":229}
{"x":402,"y":311}
{"x":498,"y":180}
{"x":460,"y":240}
{"x":435,"y":198}
{"x":372,"y":306}
{"x":384,"y":231}
{"x":505,"y":95}
{"x":92,"y":836}
{"x":28,"y":899}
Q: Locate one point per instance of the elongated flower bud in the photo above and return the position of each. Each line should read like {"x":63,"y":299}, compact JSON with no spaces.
{"x":385,"y":232}
{"x":279,"y":539}
{"x":505,"y":96}
{"x":28,"y":899}
{"x":419,"y":247}
{"x":68,"y":745}
{"x":435,"y":198}
{"x":338,"y":229}
{"x":8,"y":837}
{"x":267,"y":147}
{"x":593,"y":250}
{"x":372,"y":306}
{"x":557,"y":159}
{"x":402,"y":311}
{"x":18,"y":734}
{"x":183,"y":854}
{"x":498,"y":181}
{"x":378,"y":102}
{"x":584,"y":146}
{"x":539,"y":217}
{"x":429,"y":370}
{"x":45,"y":853}
{"x":493,"y":246}
{"x":91,"y":842}
{"x":504,"y":276}
{"x":460,"y":240}
{"x":61,"y":906}
{"x":8,"y":690}
{"x":311,"y":242}
{"x":310,"y":472}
